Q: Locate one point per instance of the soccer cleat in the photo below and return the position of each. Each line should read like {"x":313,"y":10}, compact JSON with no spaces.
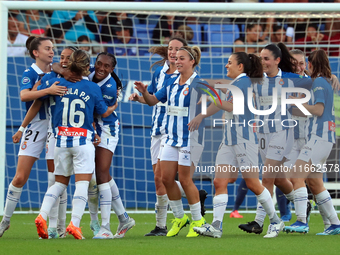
{"x":124,"y":227}
{"x":309,"y":211}
{"x":274,"y":229}
{"x":104,"y":233}
{"x":298,"y":227}
{"x":61,"y":231}
{"x":208,"y":230}
{"x":251,"y":227}
{"x":75,"y":231}
{"x":287,"y":217}
{"x":4,"y":225}
{"x":235,"y":214}
{"x":95,"y":226}
{"x":193,"y":224}
{"x":41,"y":225}
{"x":332,"y":230}
{"x":177,"y":225}
{"x":203,"y":195}
{"x":52,"y":233}
{"x":158,"y":232}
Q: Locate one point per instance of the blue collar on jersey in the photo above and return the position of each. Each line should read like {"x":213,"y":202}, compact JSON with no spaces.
{"x":279,"y":74}
{"x":189,"y":81}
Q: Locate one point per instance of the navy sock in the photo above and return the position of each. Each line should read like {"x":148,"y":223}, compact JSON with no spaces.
{"x":281,"y":202}
{"x":241,"y":194}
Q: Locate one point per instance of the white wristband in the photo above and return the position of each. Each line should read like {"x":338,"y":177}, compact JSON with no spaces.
{"x":21,"y":129}
{"x":95,"y":132}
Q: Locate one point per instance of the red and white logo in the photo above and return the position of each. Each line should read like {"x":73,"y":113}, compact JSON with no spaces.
{"x":72,"y":131}
{"x":331,"y":126}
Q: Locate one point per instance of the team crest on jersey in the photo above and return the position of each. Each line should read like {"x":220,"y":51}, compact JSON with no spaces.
{"x":24,"y":145}
{"x":25,"y":80}
{"x":281,"y":82}
{"x":186,"y":91}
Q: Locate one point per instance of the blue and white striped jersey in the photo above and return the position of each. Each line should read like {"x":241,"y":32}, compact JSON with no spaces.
{"x":181,"y":109}
{"x":30,"y":77}
{"x":72,"y":117}
{"x":159,"y":78}
{"x":323,"y":126}
{"x":108,"y":126}
{"x":237,"y":130}
{"x":264,"y":98}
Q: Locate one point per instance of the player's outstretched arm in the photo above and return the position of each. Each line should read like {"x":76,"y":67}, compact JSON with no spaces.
{"x":135,"y":97}
{"x":31,"y":113}
{"x":151,"y":100}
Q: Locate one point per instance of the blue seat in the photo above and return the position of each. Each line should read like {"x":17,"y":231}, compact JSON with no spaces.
{"x":142,"y":32}
{"x":197,"y":40}
{"x":217,"y":34}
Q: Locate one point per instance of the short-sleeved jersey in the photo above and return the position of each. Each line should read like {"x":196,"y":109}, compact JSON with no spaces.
{"x":72,"y":116}
{"x":322,"y":126}
{"x":239,"y":128}
{"x":159,"y":79}
{"x":264,"y":98}
{"x":181,"y":109}
{"x":31,"y":76}
{"x":109,"y":125}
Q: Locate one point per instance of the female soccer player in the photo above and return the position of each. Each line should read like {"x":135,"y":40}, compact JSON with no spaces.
{"x":108,"y":130}
{"x":57,"y":218}
{"x":41,"y":50}
{"x":158,"y":135}
{"x":275,"y":140}
{"x":182,"y":148}
{"x":239,"y":148}
{"x":321,"y":137}
{"x":72,"y":119}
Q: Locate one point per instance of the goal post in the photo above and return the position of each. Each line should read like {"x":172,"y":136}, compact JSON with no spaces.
{"x":212,"y":66}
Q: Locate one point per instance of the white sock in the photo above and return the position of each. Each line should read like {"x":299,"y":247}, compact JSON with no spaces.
{"x":161,"y":207}
{"x":290,"y":196}
{"x":195,"y":210}
{"x":117,"y":204}
{"x":300,"y":204}
{"x":266,"y":201}
{"x":323,"y":214}
{"x":62,"y":209}
{"x":105,"y":202}
{"x":79,"y":202}
{"x":53,"y":216}
{"x":50,"y":197}
{"x":260,"y":214}
{"x":12,"y":199}
{"x":93,"y":199}
{"x":177,"y":208}
{"x":219,"y":203}
{"x":324,"y":201}
{"x":181,"y":189}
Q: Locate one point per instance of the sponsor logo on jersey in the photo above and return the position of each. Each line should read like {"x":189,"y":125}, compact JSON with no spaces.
{"x":331,"y":126}
{"x":240,"y":155}
{"x":107,"y":97}
{"x":25,"y":80}
{"x":72,"y":131}
{"x":276,"y":147}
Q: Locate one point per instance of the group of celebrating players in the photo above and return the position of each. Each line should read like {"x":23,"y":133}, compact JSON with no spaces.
{"x":72,"y":109}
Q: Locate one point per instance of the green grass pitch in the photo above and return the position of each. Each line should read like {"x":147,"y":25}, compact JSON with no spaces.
{"x":22,"y":238}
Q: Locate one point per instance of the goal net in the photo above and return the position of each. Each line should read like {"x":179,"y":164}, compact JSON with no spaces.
{"x":128,"y":30}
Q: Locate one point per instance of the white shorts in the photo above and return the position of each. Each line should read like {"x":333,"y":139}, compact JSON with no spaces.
{"x":75,"y":160}
{"x":185,"y":156}
{"x":276,"y":145}
{"x":157,"y":145}
{"x":295,"y":152}
{"x":109,"y":143}
{"x":316,"y":150}
{"x":34,"y":139}
{"x":244,"y":155}
{"x":50,"y":144}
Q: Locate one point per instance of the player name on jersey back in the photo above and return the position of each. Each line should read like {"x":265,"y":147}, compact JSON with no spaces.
{"x":76,"y":92}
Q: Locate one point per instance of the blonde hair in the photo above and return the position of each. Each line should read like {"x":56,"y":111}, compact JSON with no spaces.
{"x":79,"y":63}
{"x":194,"y":53}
